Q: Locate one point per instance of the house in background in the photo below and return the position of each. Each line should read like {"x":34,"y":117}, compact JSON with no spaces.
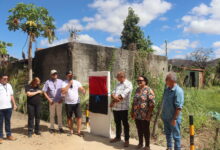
{"x":194,"y":77}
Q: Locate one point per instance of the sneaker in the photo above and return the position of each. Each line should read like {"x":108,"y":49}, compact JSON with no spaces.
{"x":126,"y":144}
{"x":11,"y":138}
{"x":52,"y":131}
{"x":115,"y":140}
{"x":169,"y":149}
{"x":139,"y":146}
{"x":1,"y":140}
{"x":146,"y":148}
{"x":61,"y":130}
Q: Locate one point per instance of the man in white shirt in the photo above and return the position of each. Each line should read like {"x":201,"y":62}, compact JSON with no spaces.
{"x":120,"y":105}
{"x":6,"y":101}
{"x":70,"y":91}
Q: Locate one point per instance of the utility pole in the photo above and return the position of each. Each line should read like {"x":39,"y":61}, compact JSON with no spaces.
{"x":166,"y":47}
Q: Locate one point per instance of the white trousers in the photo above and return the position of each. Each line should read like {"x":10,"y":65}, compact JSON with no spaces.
{"x":56,"y":108}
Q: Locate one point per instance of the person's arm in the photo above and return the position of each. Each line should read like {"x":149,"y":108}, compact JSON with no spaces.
{"x":12,"y":98}
{"x":45,"y":89}
{"x":30,"y":94}
{"x":48,"y":98}
{"x":179,"y":100}
{"x":126,"y":92}
{"x":65,"y":88}
{"x":82,"y":90}
{"x":13,"y":102}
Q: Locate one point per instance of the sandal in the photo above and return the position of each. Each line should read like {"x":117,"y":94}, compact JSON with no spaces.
{"x":80,"y":134}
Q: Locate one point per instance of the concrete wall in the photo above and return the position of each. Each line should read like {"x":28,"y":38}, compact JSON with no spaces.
{"x":83,"y":58}
{"x":58,"y":57}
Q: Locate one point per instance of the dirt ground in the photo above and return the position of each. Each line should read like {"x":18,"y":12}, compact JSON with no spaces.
{"x":57,"y":141}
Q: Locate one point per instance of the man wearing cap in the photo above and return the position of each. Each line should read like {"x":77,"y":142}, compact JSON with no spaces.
{"x":52,"y":91}
{"x":70,"y":91}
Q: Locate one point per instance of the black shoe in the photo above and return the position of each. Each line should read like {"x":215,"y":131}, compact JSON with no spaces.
{"x":52,"y":130}
{"x":38,"y":133}
{"x":61,"y":130}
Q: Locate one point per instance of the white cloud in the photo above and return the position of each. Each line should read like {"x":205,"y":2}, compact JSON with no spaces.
{"x":217,"y":53}
{"x":203,"y":19}
{"x":181,"y":44}
{"x":176,"y":46}
{"x":165,"y":27}
{"x":163,"y":19}
{"x":71,"y":25}
{"x":216,"y":44}
{"x":111,"y":13}
{"x":158,"y":50}
{"x":85,"y":38}
{"x":82,"y":38}
{"x":112,"y":39}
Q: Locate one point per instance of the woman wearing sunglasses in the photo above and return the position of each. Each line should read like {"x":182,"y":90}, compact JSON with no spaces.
{"x":142,"y":109}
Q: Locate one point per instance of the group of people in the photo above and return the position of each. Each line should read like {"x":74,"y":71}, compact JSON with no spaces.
{"x":57,"y":91}
{"x":142,"y":108}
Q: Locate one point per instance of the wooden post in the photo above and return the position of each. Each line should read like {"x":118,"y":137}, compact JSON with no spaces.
{"x":192,"y":132}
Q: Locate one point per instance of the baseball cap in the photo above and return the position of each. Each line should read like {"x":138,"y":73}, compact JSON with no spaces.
{"x":53,"y":71}
{"x":69,"y":72}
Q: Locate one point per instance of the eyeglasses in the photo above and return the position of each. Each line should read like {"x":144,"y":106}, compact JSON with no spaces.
{"x":140,"y":80}
{"x":5,"y":78}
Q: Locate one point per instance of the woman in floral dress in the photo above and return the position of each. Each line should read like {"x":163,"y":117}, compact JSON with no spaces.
{"x":142,"y":109}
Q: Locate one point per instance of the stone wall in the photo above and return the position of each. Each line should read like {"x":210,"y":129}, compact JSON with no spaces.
{"x":83,"y":58}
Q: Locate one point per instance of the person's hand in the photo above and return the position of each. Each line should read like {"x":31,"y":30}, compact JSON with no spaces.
{"x":51,"y":102}
{"x":15,"y":107}
{"x":173,"y":122}
{"x":132,"y":116}
{"x":151,"y":97}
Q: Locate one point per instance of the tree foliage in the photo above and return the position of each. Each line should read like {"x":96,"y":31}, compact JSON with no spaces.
{"x":132,"y":35}
{"x":200,"y":57}
{"x":33,"y":20}
{"x":3,"y":47}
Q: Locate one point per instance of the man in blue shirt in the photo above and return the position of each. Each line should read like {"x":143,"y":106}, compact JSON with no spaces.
{"x":52,"y":92}
{"x":173,"y":100}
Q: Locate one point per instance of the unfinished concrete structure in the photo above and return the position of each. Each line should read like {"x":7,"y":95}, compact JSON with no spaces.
{"x":84,"y":58}
{"x":194,"y":77}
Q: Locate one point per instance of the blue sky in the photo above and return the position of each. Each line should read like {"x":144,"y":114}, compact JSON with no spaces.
{"x":185,"y":24}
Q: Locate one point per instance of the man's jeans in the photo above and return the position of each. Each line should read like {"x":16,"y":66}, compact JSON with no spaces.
{"x":5,"y":115}
{"x":172,"y":132}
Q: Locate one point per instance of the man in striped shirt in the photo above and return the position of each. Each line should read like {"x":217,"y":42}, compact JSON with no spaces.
{"x":120,"y":106}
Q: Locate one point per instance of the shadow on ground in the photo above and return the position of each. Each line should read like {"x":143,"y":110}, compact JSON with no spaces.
{"x":119,"y":145}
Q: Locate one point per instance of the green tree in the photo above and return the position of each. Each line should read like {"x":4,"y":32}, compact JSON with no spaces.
{"x":132,"y":36}
{"x":3,"y":47}
{"x":35,"y":22}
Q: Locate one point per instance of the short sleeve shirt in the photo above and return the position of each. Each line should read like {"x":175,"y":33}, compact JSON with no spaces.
{"x":36,"y":99}
{"x":53,"y":89}
{"x":72,"y":95}
{"x":172,"y":99}
{"x":6,"y":92}
{"x":141,"y":103}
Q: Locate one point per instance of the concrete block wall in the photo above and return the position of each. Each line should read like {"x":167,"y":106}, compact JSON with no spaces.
{"x":83,"y":58}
